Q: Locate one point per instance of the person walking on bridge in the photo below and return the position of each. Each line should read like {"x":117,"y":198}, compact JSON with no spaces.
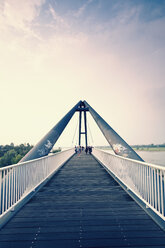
{"x":75,"y":149}
{"x":90,"y":149}
{"x":86,"y":149}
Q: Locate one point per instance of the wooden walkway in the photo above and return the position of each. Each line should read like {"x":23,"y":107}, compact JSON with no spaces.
{"x":81,"y":206}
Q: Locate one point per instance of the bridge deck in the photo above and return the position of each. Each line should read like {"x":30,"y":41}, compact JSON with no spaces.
{"x":81,"y":206}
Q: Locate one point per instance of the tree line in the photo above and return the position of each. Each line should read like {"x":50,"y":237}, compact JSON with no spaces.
{"x":149,"y":146}
{"x":11,"y":154}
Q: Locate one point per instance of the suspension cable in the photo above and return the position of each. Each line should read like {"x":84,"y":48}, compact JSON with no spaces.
{"x":75,"y":133}
{"x":91,"y":137}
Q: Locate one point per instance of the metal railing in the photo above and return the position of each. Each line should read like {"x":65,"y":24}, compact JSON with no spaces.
{"x":145,"y":180}
{"x":19,"y":180}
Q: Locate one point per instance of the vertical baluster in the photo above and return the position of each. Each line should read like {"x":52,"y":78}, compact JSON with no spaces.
{"x":132,"y":175}
{"x":140,"y":182}
{"x":9,"y":188}
{"x":1,"y":192}
{"x":141,"y":190}
{"x":35,"y":178}
{"x":21,"y":180}
{"x":23,"y":168}
{"x":155,"y":189}
{"x":3,"y":196}
{"x":30,"y":176}
{"x":14,"y":185}
{"x":45,"y":174}
{"x":152,"y":177}
{"x":161,"y":188}
{"x":17,"y":184}
{"x":153,"y":194}
{"x":136,"y":176}
{"x":150,"y":186}
{"x":25,"y":177}
{"x":7,"y":193}
{"x":147,"y":190}
{"x":138,"y":179}
{"x":145,"y":180}
{"x":43,"y":168}
{"x":164,"y":190}
{"x":158,"y":189}
{"x":33,"y":173}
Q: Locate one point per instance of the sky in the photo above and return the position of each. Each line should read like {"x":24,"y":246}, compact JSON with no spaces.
{"x":54,"y":53}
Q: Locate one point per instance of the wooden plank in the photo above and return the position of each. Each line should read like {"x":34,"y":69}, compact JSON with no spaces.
{"x":81,"y":206}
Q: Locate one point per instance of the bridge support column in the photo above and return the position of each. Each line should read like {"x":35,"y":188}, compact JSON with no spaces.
{"x":80,"y":117}
{"x":85,"y":125}
{"x":82,"y":109}
{"x":119,"y":146}
{"x":45,"y":145}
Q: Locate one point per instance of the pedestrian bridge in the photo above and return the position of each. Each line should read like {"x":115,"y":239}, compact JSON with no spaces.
{"x":81,"y":200}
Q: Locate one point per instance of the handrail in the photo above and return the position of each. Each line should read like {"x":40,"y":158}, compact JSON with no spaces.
{"x":19,"y":180}
{"x":145,"y":180}
{"x":136,"y":161}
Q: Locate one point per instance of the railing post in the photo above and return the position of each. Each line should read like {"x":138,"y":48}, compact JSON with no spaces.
{"x":161,"y":189}
{"x":0,"y":192}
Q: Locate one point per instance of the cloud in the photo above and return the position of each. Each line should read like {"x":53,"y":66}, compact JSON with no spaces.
{"x":59,"y":21}
{"x":42,"y":68}
{"x":20,"y":14}
{"x":82,"y":9}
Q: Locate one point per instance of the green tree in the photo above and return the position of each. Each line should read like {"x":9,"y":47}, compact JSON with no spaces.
{"x":10,"y":154}
{"x":8,"y":157}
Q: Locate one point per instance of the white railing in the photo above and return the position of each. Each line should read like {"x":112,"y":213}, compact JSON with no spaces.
{"x":145,"y":180}
{"x":19,"y":180}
